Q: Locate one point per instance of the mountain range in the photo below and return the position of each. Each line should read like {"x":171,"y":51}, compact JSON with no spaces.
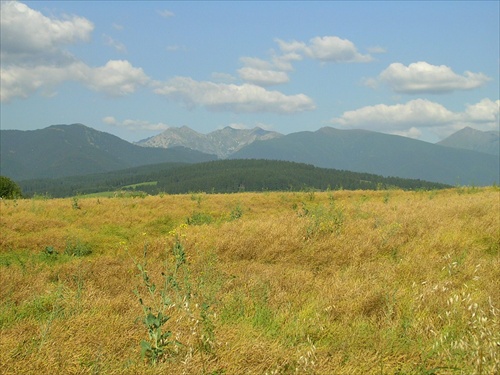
{"x":64,"y":150}
{"x":378,"y":153}
{"x":70,"y":150}
{"x":221,"y":142}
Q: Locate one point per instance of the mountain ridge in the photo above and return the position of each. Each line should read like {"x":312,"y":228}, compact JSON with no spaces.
{"x":378,"y":153}
{"x":474,"y":140}
{"x":76,"y":149}
{"x":221,"y":142}
{"x":64,"y":150}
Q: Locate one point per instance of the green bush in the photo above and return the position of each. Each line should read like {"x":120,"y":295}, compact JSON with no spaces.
{"x":9,"y":189}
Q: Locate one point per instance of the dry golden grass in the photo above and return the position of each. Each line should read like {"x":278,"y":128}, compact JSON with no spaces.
{"x":344,"y":282}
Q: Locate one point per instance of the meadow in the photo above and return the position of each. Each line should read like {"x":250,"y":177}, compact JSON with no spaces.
{"x":334,"y":282}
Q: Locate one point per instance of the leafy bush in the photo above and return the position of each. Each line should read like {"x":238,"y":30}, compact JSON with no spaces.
{"x":9,"y":189}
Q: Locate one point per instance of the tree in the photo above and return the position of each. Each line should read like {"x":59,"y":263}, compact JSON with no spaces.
{"x":9,"y":189}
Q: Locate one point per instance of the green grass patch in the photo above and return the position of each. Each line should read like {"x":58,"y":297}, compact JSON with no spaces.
{"x":135,"y":186}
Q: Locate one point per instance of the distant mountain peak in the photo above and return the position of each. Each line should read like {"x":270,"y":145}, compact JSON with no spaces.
{"x":475,"y":140}
{"x":221,"y":142}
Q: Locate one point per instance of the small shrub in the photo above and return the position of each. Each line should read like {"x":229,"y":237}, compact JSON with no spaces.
{"x":199,"y":218}
{"x":50,"y":251}
{"x":75,"y":204}
{"x":236,"y":213}
{"x":77,"y":248}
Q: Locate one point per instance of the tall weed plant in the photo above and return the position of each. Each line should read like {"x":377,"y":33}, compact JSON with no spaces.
{"x":176,"y":302}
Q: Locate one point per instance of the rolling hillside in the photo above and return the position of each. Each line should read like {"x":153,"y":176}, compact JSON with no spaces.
{"x":66,"y":150}
{"x":222,"y":176}
{"x":371,"y":152}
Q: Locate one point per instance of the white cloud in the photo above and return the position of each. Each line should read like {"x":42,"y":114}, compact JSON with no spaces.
{"x":486,"y":111}
{"x":256,"y":63}
{"x":120,"y":47}
{"x":18,"y":81}
{"x":27,"y":33}
{"x":33,"y":58}
{"x":233,"y":98}
{"x":273,"y":72}
{"x":418,"y":112}
{"x":116,"y":78}
{"x":238,"y":126}
{"x":412,"y":117}
{"x":135,"y":125}
{"x":284,"y":62}
{"x":166,"y":13}
{"x":263,"y":77}
{"x":376,"y":49}
{"x":422,"y":77}
{"x":264,"y":73}
{"x":326,"y":49}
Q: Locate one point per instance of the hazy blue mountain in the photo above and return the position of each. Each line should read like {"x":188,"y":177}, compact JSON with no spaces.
{"x":222,"y":142}
{"x":65,"y":150}
{"x":475,"y":140}
{"x":377,"y":153}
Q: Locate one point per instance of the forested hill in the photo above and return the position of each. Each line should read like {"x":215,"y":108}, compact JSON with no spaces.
{"x":382,"y":154}
{"x":223,"y":176}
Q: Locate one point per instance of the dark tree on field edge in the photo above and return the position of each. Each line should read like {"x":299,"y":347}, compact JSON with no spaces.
{"x":9,"y":189}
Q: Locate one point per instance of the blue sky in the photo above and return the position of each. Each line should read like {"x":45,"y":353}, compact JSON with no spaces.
{"x":418,"y":69}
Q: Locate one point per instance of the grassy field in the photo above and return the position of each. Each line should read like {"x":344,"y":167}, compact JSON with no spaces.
{"x":342,"y":282}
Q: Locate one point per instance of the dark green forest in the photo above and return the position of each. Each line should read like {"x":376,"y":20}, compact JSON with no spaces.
{"x":223,"y":176}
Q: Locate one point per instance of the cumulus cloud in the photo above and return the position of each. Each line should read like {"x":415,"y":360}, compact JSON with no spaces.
{"x":486,"y":111}
{"x":116,"y":78}
{"x":274,"y":71}
{"x":134,"y":124}
{"x":28,"y":33}
{"x":33,"y":57}
{"x":19,"y":81}
{"x":264,"y":73}
{"x":419,"y":112}
{"x":422,"y":77}
{"x":263,"y":77}
{"x":411,"y":118}
{"x":232,"y":98}
{"x":326,"y":49}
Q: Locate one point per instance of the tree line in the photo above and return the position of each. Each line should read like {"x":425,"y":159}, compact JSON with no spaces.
{"x":222,"y":176}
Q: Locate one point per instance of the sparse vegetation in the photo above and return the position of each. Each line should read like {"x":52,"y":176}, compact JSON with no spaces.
{"x":311,"y":282}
